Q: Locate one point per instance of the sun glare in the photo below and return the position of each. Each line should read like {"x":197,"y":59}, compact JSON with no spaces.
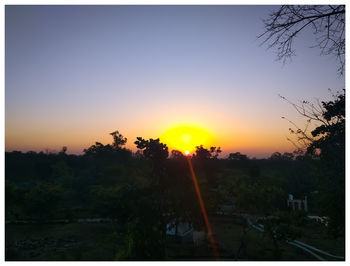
{"x":185,"y":137}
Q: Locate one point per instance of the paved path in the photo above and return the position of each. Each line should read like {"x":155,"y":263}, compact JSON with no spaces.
{"x":307,"y":248}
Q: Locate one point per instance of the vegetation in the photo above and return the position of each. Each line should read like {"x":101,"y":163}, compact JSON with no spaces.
{"x":144,"y":192}
{"x":141,"y":195}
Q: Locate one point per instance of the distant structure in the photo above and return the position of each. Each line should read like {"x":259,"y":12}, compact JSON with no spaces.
{"x":301,"y":204}
{"x":182,"y":233}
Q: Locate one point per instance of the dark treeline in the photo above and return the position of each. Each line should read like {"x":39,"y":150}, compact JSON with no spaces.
{"x":59,"y":185}
{"x":143,"y":192}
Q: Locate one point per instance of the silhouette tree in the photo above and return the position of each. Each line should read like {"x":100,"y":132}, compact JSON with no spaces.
{"x":329,"y":117}
{"x":177,"y":154}
{"x":115,"y":150}
{"x":287,"y":156}
{"x":215,"y":152}
{"x":237,"y":156}
{"x":63,"y":151}
{"x":329,"y":145}
{"x":202,"y":153}
{"x":99,"y":149}
{"x":152,"y":149}
{"x":330,"y":135}
{"x":156,"y":152}
{"x":327,"y":22}
{"x":205,"y":154}
{"x":326,"y":143}
{"x":276,"y":156}
{"x":118,"y":140}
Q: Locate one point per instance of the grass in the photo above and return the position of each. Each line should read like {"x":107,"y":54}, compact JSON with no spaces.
{"x":316,"y":235}
{"x":59,"y":242}
{"x":95,"y":242}
{"x":228,"y":233}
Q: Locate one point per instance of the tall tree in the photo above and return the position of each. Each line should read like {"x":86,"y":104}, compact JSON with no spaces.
{"x":329,"y":145}
{"x":325,"y":143}
{"x":156,"y":152}
{"x":118,"y":140}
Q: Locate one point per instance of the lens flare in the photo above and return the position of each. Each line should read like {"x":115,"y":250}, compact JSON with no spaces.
{"x":204,"y":212}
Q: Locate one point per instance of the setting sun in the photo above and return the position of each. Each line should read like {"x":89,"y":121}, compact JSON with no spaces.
{"x":185,"y":137}
{"x":166,"y":129}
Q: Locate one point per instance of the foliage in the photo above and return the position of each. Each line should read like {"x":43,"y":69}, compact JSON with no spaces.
{"x":141,"y":243}
{"x":330,"y":135}
{"x":237,"y":156}
{"x":118,"y":140}
{"x":285,"y":156}
{"x":13,"y":200}
{"x":43,"y":200}
{"x":280,"y":228}
{"x":110,"y":151}
{"x":99,"y":148}
{"x":152,"y":149}
{"x":114,"y":202}
{"x":325,"y":145}
{"x":177,"y":154}
{"x":142,"y":194}
{"x":251,"y":195}
{"x":330,"y":147}
{"x":202,"y":153}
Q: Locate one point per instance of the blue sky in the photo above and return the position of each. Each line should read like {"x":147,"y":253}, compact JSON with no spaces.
{"x":75,"y":73}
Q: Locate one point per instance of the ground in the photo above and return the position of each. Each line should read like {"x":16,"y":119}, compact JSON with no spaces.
{"x":95,"y":242}
{"x":76,"y":241}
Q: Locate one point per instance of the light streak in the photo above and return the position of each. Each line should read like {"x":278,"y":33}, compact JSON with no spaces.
{"x":204,"y":212}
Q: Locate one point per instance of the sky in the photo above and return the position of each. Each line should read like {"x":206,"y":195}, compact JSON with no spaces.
{"x":74,"y":74}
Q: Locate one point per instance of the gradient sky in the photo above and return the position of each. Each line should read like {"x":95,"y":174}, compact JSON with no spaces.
{"x":73,"y":74}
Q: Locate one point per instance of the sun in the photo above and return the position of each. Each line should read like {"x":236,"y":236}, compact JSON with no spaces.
{"x":185,"y":137}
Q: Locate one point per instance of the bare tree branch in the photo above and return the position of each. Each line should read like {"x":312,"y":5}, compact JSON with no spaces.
{"x":327,"y":21}
{"x":314,"y":113}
